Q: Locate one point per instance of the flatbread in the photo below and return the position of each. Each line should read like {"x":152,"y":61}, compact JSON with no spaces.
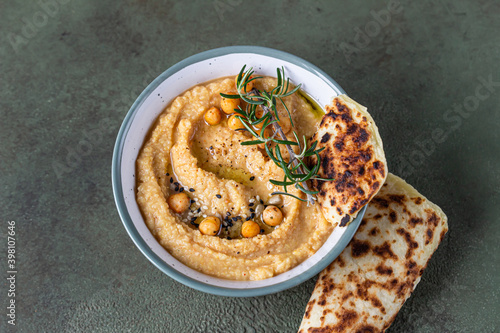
{"x":353,"y":156}
{"x":364,"y":288}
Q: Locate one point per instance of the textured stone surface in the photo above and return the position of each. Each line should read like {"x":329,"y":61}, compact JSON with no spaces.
{"x":74,"y":73}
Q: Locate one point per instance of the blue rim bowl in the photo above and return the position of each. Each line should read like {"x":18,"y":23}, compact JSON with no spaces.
{"x":187,"y":73}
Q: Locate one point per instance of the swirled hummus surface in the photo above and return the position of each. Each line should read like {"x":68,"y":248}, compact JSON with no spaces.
{"x":228,"y":180}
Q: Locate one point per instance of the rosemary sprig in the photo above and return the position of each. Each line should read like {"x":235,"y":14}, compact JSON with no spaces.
{"x":296,"y":170}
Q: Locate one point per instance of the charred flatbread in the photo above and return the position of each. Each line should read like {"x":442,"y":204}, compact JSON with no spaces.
{"x":364,"y":288}
{"x":353,"y":157}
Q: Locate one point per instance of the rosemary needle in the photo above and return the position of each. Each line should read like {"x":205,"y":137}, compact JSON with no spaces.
{"x":296,"y":170}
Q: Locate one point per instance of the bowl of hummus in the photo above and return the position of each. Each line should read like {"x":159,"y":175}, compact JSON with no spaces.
{"x":194,"y":199}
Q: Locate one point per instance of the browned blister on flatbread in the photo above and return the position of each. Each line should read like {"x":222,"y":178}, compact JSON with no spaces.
{"x":353,"y":157}
{"x":364,"y":288}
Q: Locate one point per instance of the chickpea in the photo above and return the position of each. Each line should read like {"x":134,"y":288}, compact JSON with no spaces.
{"x":213,"y":116}
{"x":229,"y":104}
{"x":267,"y":134}
{"x":259,"y":113}
{"x":272,"y":216}
{"x":250,"y":229}
{"x":249,"y":85}
{"x":210,"y":226}
{"x":179,"y":202}
{"x":234,"y":123}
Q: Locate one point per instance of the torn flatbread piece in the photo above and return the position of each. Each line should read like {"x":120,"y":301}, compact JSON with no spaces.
{"x":365,"y":287}
{"x":353,"y":157}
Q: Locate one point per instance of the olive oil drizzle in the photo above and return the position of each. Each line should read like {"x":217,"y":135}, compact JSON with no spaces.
{"x":239,"y":175}
{"x":316,"y":109}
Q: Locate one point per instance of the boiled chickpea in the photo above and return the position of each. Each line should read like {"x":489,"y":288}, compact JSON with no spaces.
{"x":234,"y":123}
{"x":267,"y":134}
{"x":210,"y":226}
{"x":249,"y":85}
{"x":213,"y":116}
{"x":259,"y":113}
{"x":229,"y":104}
{"x":272,"y":216}
{"x":250,"y":229}
{"x":179,"y":202}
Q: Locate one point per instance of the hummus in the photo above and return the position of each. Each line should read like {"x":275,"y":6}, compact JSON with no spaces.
{"x":225,"y":179}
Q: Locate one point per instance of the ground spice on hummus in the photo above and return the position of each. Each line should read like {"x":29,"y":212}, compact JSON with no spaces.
{"x":226,"y":180}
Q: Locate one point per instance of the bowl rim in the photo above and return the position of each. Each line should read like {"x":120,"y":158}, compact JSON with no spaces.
{"x":129,"y":224}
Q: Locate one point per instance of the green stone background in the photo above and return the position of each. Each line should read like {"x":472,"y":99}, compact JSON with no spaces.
{"x":76,"y":75}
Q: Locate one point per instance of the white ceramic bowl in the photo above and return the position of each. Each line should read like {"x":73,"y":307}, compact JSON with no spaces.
{"x":197,"y":69}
